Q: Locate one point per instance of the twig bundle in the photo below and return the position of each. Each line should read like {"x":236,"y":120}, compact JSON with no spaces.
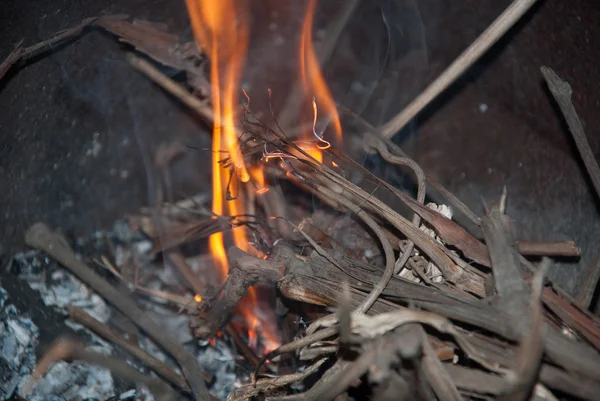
{"x":439,"y":314}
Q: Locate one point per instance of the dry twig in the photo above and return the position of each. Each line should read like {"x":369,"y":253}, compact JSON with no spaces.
{"x":482,"y":44}
{"x":561,"y":90}
{"x":41,"y":237}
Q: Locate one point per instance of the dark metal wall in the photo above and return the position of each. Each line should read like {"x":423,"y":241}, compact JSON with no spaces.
{"x":57,"y":110}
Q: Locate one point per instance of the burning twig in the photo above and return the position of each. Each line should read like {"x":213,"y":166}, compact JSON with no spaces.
{"x":41,"y":237}
{"x":245,"y":271}
{"x":482,"y":44}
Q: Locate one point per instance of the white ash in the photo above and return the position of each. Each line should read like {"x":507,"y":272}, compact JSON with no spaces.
{"x":58,"y":287}
{"x":77,"y":381}
{"x":219,"y":362}
{"x":431,"y":271}
{"x":144,"y":394}
{"x":126,"y":395}
{"x":18,"y":338}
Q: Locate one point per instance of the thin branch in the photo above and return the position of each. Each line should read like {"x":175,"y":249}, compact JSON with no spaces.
{"x":80,"y":316}
{"x":482,"y":44}
{"x":529,"y":357}
{"x":561,"y":90}
{"x":588,"y":289}
{"x":203,"y":109}
{"x":42,"y":237}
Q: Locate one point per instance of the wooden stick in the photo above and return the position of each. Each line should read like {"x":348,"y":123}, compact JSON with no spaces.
{"x":482,"y":44}
{"x":561,"y":90}
{"x":40,"y":236}
{"x":557,"y":248}
{"x":80,"y":316}
{"x":202,"y":108}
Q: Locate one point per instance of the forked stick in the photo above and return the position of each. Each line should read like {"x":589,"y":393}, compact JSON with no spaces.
{"x":487,"y":39}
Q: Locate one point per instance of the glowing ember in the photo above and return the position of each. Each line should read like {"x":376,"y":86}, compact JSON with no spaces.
{"x":197,"y":298}
{"x":258,"y":176}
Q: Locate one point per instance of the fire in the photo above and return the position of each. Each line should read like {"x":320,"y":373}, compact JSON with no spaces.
{"x":313,"y":80}
{"x":221,"y":28}
{"x":223,"y":32}
{"x":258,"y":176}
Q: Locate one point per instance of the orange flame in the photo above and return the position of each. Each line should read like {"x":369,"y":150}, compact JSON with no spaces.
{"x":313,"y":80}
{"x":222,"y":30}
{"x":258,"y":175}
{"x":223,"y":33}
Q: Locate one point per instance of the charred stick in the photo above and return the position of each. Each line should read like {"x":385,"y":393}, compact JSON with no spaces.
{"x":561,"y":90}
{"x":244,"y":272}
{"x":300,"y":283}
{"x":330,"y":387}
{"x":241,"y":345}
{"x":254,"y":389}
{"x":41,"y":237}
{"x":512,"y":291}
{"x":11,"y":59}
{"x":397,"y":151}
{"x":314,"y":232}
{"x":80,"y":316}
{"x":451,"y":271}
